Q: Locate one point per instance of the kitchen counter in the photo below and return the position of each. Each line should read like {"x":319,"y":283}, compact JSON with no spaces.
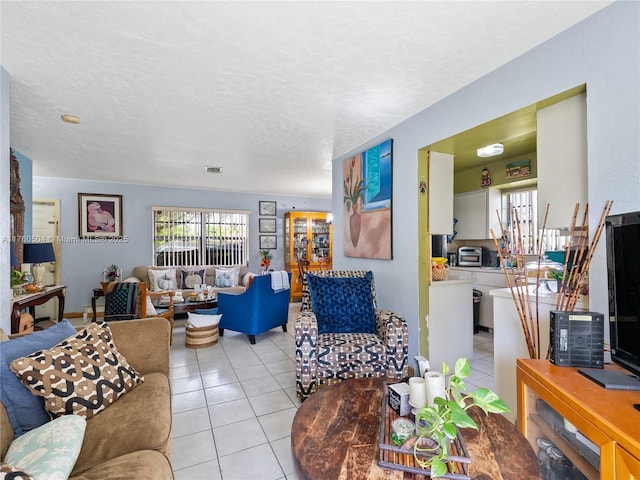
{"x":508,"y":337}
{"x":477,"y":269}
{"x":451,"y":280}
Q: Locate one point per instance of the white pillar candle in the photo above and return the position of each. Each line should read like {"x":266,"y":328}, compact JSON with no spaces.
{"x":417,"y":392}
{"x":435,"y":386}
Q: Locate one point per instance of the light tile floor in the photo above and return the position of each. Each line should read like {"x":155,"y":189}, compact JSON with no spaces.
{"x":233,"y":403}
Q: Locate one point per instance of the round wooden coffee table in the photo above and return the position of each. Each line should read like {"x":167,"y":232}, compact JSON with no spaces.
{"x":335,"y":433}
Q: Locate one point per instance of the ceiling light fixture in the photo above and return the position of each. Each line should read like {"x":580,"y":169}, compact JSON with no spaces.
{"x":70,"y":119}
{"x":491,"y":150}
{"x":213,"y":169}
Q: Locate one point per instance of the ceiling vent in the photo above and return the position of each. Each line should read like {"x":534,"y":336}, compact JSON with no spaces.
{"x":213,"y":169}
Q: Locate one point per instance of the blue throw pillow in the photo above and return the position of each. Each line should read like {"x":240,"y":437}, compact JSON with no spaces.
{"x":25,"y":410}
{"x":343,"y":305}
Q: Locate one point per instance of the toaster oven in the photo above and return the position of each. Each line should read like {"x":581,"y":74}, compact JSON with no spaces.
{"x":470,"y":256}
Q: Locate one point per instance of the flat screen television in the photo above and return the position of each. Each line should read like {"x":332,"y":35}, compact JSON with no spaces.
{"x":623,"y":268}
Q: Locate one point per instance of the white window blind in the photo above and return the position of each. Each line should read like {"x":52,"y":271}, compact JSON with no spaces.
{"x":523,"y":205}
{"x":199,"y":236}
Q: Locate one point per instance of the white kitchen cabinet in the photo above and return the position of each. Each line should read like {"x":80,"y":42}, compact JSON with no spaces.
{"x":476,"y":214}
{"x":440,"y":193}
{"x":562,"y":160}
{"x":450,"y":322}
{"x":485,"y":281}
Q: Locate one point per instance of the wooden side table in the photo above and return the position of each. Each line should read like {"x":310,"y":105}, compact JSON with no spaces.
{"x":97,"y":293}
{"x":335,"y":435}
{"x":30,"y":301}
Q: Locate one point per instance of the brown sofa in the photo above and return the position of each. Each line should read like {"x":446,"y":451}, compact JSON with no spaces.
{"x":131,"y":438}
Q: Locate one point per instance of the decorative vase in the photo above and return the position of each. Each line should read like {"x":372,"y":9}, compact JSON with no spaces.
{"x":355,"y":224}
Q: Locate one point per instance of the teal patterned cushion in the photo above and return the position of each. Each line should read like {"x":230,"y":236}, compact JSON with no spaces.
{"x":343,"y":305}
{"x":121,"y":302}
{"x":50,"y":451}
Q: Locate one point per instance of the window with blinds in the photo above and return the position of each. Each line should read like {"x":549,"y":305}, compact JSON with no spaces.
{"x":523,"y":205}
{"x":199,"y":236}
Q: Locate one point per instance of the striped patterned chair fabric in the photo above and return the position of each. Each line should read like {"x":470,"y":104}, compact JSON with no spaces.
{"x":332,"y":357}
{"x":121,"y":300}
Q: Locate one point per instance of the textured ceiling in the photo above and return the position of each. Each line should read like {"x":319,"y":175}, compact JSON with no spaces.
{"x":269,"y":91}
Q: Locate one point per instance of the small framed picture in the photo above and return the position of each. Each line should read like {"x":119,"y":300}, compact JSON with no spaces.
{"x":268,"y":242}
{"x":99,"y":215}
{"x":267,"y":225}
{"x":268,"y":208}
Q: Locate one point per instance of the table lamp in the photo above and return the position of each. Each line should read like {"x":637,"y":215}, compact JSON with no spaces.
{"x":36,"y":254}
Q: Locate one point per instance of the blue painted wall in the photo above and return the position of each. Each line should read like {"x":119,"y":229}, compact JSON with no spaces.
{"x":83,"y":262}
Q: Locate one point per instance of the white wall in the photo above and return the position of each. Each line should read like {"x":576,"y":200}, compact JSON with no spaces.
{"x":83,"y":263}
{"x":5,"y":223}
{"x":604,"y":52}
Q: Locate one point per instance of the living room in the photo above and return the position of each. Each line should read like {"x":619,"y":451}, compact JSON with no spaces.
{"x":590,"y":53}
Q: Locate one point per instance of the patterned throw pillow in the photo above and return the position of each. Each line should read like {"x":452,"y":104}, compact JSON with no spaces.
{"x":227,"y":277}
{"x":82,"y":375}
{"x":192,"y":278}
{"x":49,"y":452}
{"x":343,"y":305}
{"x":161,"y":280}
{"x":25,"y":410}
{"x":13,"y":473}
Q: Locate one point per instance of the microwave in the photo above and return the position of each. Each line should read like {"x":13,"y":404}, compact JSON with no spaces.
{"x":470,"y":256}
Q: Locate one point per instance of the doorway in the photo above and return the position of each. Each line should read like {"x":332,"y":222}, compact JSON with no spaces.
{"x":45,"y":228}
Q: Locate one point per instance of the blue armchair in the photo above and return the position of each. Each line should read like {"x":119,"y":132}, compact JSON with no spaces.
{"x":256,"y":310}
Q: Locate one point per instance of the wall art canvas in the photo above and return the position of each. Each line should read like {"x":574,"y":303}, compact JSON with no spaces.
{"x":518,"y":169}
{"x":367,"y":182}
{"x":268,"y":242}
{"x":267,"y":208}
{"x":267,"y":225}
{"x":99,"y":215}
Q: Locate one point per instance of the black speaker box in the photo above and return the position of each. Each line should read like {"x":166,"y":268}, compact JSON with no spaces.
{"x":577,"y":339}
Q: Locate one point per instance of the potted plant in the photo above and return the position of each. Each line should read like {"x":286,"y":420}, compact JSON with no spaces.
{"x":442,"y":419}
{"x":18,"y":279}
{"x":353,"y":190}
{"x":111,"y":273}
{"x":265,"y":259}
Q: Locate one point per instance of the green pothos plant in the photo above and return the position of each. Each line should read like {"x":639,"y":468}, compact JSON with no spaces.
{"x":446,"y":415}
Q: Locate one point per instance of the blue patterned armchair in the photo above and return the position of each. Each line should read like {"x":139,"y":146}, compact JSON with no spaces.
{"x":324,"y":357}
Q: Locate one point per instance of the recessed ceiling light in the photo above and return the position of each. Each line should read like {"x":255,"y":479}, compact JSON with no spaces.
{"x":491,"y":150}
{"x":70,"y":119}
{"x":213,"y":169}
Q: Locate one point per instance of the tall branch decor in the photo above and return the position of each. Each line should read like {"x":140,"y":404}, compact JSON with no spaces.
{"x":571,"y":283}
